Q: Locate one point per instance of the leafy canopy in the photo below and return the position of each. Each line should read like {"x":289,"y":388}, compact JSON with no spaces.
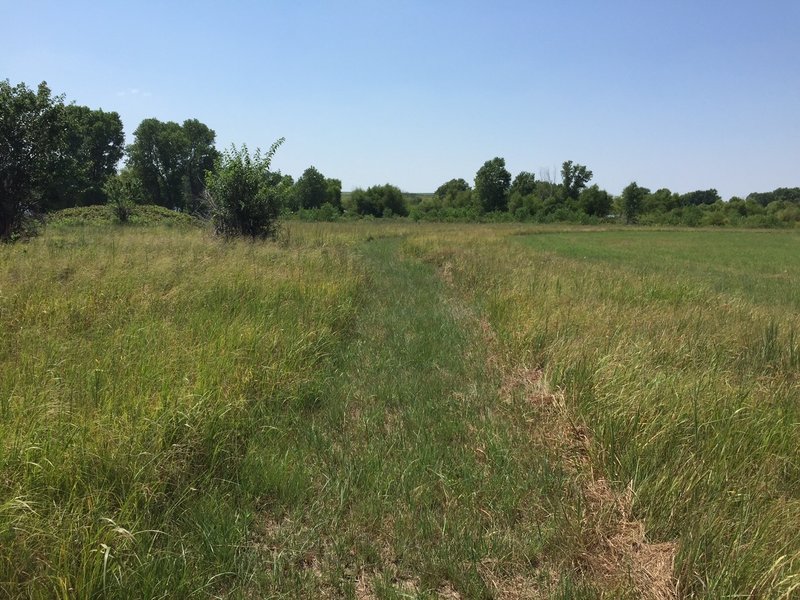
{"x":492,"y":182}
{"x":171,"y":160}
{"x":33,"y":144}
{"x":574,"y":178}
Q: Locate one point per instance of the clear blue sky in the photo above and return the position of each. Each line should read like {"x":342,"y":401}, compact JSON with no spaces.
{"x":680,"y":94}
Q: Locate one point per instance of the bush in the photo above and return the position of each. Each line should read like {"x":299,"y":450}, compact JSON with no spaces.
{"x":241,"y":196}
{"x":124,"y":191}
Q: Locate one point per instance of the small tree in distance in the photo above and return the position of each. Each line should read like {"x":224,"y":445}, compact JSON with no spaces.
{"x":633,"y":198}
{"x":492,"y":182}
{"x":124,"y":191}
{"x":241,"y":197}
{"x":311,"y":189}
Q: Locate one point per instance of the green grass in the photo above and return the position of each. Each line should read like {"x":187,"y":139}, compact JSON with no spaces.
{"x":757,"y":266}
{"x":679,"y":352}
{"x":138,"y":365}
{"x":398,"y":410}
{"x":420,"y":482}
{"x":142,"y":214}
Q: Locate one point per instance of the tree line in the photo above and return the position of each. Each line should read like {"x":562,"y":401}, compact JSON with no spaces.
{"x":55,"y":155}
{"x":495,"y":195}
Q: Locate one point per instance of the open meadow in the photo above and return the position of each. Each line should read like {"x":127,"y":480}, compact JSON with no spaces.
{"x":400,"y":410}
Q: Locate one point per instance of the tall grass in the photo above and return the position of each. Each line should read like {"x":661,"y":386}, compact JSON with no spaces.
{"x":137,"y":365}
{"x":396,"y":410}
{"x":679,"y":352}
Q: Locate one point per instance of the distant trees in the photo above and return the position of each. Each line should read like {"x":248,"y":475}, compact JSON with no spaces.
{"x":632,"y":201}
{"x":523,"y":198}
{"x":595,"y":202}
{"x":524,"y":184}
{"x":241,"y":194}
{"x":333,"y":192}
{"x":313,"y":190}
{"x":52,"y":155}
{"x":379,"y":201}
{"x":55,"y":155}
{"x":492,"y":183}
{"x":574,"y":178}
{"x":791,"y":195}
{"x":171,"y":161}
{"x":700,"y":197}
{"x":200,"y":157}
{"x":452,"y":188}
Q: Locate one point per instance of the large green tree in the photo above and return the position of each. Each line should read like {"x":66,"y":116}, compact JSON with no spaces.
{"x":574,"y":178}
{"x":311,"y":190}
{"x":455,"y":193}
{"x":492,"y":182}
{"x":452,"y":188}
{"x":524,"y":184}
{"x":171,"y":161}
{"x":33,"y":126}
{"x":700,"y":197}
{"x":200,"y":158}
{"x":783,"y":194}
{"x":94,"y":146}
{"x":633,"y":198}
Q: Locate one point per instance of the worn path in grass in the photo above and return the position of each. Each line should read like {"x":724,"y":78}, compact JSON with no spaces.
{"x":427,"y":479}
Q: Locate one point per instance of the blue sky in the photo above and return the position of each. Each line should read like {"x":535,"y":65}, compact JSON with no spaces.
{"x":678,"y":94}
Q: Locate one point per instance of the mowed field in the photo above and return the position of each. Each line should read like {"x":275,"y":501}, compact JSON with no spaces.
{"x":397,"y":410}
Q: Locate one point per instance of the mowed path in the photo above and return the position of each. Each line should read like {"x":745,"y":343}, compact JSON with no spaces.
{"x":428,"y":474}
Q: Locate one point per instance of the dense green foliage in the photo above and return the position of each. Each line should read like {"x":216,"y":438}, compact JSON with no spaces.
{"x":378,"y":201}
{"x":313,"y":191}
{"x":492,"y":182}
{"x":94,"y":146}
{"x":32,"y":141}
{"x":51,"y":155}
{"x":574,"y":178}
{"x":171,"y":161}
{"x":124,"y":191}
{"x":632,"y":200}
{"x":242,"y":196}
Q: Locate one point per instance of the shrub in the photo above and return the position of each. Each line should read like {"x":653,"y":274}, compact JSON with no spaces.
{"x":241,"y":196}
{"x":124,"y":191}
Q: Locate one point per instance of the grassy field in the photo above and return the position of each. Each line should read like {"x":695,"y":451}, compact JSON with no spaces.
{"x":394,"y":410}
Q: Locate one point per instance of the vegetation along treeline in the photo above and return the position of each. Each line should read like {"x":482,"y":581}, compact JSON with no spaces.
{"x":55,"y":155}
